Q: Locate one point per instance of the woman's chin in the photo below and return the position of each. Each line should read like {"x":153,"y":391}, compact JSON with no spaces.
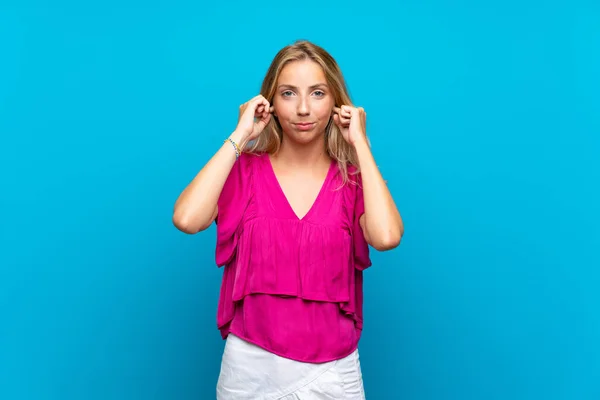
{"x":305,"y":137}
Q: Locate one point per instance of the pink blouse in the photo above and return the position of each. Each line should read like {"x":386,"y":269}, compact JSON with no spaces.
{"x":292,"y":286}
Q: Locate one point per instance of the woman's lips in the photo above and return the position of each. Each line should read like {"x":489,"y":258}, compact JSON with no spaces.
{"x":304,"y":126}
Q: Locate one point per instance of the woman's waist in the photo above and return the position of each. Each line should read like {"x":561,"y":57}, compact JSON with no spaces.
{"x":308,"y":331}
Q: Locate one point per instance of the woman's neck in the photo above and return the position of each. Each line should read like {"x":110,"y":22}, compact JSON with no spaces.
{"x":303,"y":156}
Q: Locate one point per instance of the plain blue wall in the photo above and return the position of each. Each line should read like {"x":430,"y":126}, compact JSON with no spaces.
{"x":484,"y":118}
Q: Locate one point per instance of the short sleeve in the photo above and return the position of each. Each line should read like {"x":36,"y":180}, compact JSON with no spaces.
{"x":361,"y":247}
{"x":231,"y":204}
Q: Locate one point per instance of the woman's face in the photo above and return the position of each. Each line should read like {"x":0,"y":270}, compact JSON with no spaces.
{"x":303,"y":101}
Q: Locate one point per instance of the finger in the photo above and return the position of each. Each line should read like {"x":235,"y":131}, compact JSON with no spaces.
{"x":261,"y":100}
{"x":344,"y":121}
{"x":341,"y":122}
{"x":265,"y":117}
{"x":336,"y":110}
{"x":263,"y":122}
{"x":255,"y":104}
{"x":272,"y":109}
{"x":336,"y":120}
{"x":357,"y":111}
{"x":252,"y":102}
{"x":263,"y":105}
{"x":262,"y":109}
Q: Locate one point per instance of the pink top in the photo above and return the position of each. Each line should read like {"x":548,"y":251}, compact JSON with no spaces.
{"x":291,"y":286}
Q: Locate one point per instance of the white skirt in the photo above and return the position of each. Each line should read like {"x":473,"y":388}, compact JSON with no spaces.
{"x":250,"y":372}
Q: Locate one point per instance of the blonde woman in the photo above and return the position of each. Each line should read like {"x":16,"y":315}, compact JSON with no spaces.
{"x":297,"y":199}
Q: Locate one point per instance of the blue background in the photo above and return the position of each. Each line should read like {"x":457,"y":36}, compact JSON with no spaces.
{"x":484,"y":118}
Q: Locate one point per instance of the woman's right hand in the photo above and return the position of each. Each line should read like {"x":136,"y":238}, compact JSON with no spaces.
{"x":254,"y":115}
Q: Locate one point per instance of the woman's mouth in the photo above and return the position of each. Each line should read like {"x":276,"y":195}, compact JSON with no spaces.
{"x":304,"y":126}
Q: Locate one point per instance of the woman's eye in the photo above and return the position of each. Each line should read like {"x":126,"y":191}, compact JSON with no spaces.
{"x":288,"y":93}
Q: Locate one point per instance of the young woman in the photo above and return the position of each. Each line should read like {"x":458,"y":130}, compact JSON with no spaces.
{"x":297,"y":199}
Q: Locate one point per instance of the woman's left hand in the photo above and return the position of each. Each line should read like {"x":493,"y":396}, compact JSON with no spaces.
{"x":352,"y":122}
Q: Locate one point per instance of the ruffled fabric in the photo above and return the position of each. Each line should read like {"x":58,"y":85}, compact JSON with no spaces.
{"x":315,"y":265}
{"x":361,"y":248}
{"x":235,"y":196}
{"x":271,"y":256}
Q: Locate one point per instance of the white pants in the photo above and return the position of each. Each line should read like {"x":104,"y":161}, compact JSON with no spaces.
{"x":250,"y":372}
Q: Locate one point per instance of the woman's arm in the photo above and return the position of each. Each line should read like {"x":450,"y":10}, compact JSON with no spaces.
{"x":381,"y":223}
{"x":196,"y":208}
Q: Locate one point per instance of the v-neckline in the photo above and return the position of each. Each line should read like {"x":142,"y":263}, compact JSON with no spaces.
{"x":284,"y":198}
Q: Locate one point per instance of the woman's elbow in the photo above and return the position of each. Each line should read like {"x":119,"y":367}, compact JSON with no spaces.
{"x":389,"y":241}
{"x":185,"y":223}
{"x":182,"y":223}
{"x":192,"y":222}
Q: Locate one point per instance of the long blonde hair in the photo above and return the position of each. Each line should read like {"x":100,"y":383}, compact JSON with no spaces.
{"x":269,"y":140}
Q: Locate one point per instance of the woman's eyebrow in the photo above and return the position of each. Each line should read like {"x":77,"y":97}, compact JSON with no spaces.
{"x":294,"y":87}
